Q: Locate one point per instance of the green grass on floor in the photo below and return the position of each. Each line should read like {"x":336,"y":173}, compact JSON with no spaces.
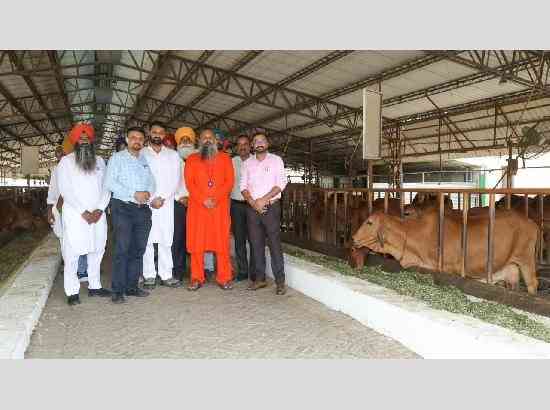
{"x":422,"y":287}
{"x":16,"y":251}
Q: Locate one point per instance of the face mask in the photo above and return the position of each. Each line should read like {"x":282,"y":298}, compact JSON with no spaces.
{"x":185,"y":150}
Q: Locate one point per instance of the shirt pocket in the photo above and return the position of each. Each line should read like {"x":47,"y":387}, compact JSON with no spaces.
{"x":256,"y":173}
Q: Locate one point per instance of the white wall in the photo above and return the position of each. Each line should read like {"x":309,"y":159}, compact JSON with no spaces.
{"x":525,"y":178}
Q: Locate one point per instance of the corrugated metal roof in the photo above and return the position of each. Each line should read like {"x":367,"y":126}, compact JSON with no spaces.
{"x":273,"y":66}
{"x":454,"y":81}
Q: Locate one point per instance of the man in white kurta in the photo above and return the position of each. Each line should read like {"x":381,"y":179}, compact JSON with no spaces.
{"x":83,"y":194}
{"x":166,"y":167}
{"x":54,"y":217}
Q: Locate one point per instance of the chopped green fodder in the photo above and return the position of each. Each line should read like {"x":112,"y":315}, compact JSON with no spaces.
{"x":422,"y":287}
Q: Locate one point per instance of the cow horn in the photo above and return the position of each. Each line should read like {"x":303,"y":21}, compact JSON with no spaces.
{"x":380,"y":237}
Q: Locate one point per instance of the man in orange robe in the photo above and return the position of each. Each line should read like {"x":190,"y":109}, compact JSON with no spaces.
{"x":209,"y":178}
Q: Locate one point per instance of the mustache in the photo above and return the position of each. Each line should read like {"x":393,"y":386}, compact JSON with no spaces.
{"x":208,"y":150}
{"x":85,"y":157}
{"x":156,"y":140}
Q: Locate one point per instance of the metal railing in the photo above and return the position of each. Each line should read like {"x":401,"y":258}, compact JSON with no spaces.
{"x":300,"y":201}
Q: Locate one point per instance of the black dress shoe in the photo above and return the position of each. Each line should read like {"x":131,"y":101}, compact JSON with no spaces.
{"x":101,"y":292}
{"x":118,"y":298}
{"x":140,"y":293}
{"x":281,"y":289}
{"x":73,"y":300}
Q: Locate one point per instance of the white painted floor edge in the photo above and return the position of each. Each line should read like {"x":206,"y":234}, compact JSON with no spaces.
{"x":22,"y":303}
{"x":428,"y":332}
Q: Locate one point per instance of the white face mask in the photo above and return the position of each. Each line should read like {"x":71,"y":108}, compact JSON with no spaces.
{"x":185,"y":150}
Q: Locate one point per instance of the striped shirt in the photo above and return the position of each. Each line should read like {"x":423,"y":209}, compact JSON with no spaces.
{"x":127,"y":174}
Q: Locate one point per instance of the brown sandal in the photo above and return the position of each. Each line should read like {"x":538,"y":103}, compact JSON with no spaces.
{"x":194,"y":286}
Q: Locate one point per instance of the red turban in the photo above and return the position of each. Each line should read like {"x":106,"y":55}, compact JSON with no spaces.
{"x":78,"y":130}
{"x":169,"y":141}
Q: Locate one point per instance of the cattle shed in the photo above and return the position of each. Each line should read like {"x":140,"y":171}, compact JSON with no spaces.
{"x":438,"y":107}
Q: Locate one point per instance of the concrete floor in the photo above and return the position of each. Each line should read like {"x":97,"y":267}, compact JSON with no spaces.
{"x":210,"y":323}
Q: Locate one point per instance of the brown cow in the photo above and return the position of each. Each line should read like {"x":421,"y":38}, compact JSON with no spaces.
{"x":357,"y":256}
{"x":425,"y":199}
{"x":517,"y":202}
{"x":18,"y":217}
{"x":420,"y":202}
{"x":413,"y":242}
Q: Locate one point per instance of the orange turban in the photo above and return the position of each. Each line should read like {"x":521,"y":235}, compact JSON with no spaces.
{"x":78,"y":130}
{"x":68,"y":147}
{"x":185,"y":132}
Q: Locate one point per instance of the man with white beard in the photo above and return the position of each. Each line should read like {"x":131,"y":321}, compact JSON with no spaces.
{"x":166,"y":167}
{"x":185,"y":140}
{"x":54,"y":203}
{"x":80,"y":180}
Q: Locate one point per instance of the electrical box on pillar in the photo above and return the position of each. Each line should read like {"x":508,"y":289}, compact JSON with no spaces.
{"x":372,"y":124}
{"x":512,"y":166}
{"x":29,"y":160}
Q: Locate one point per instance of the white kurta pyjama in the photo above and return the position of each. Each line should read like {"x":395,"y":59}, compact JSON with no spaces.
{"x":82,"y":192}
{"x":166,"y":167}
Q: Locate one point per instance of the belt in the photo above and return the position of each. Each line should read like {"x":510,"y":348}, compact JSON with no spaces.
{"x":136,"y":205}
{"x":241,"y":201}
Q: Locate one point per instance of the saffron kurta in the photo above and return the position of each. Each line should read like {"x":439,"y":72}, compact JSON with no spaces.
{"x":208,"y":229}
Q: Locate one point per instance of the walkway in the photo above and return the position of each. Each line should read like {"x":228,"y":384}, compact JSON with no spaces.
{"x":210,"y":323}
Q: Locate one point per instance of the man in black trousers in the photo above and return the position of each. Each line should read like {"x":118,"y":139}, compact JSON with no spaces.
{"x":262,"y":181}
{"x":132,"y":184}
{"x":239,"y":226}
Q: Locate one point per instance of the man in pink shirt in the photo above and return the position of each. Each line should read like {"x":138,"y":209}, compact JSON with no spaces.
{"x":262,"y":181}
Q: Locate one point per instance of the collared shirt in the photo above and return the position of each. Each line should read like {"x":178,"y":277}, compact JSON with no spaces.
{"x":237,"y":166}
{"x":259,"y":177}
{"x":127,"y":174}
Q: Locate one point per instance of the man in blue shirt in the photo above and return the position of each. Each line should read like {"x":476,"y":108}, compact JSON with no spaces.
{"x":132,"y":184}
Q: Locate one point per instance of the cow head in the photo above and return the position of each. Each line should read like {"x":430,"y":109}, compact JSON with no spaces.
{"x":371,"y":233}
{"x":382,"y":233}
{"x":357,"y":257}
{"x":423,"y":202}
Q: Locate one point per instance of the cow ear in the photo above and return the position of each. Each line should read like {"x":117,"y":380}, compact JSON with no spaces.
{"x":380,"y":237}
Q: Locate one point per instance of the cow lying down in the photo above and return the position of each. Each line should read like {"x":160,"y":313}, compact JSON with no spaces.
{"x":413,"y":242}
